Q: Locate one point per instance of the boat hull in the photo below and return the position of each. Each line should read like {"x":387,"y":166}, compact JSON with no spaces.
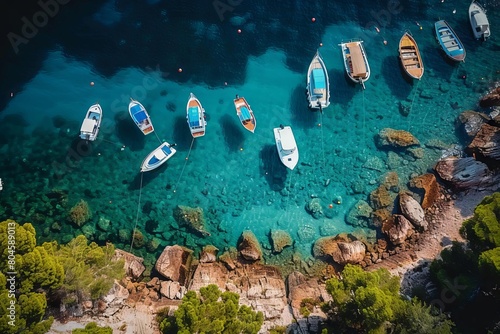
{"x":410,"y":57}
{"x":245,"y":114}
{"x":92,"y":123}
{"x":318,"y":85}
{"x":195,"y":116}
{"x":355,"y":61}
{"x":158,"y":157}
{"x":479,"y":21}
{"x":449,"y":41}
{"x":286,"y":146}
{"x":140,"y":117}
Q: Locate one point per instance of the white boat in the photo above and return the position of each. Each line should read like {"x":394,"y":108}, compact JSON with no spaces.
{"x":140,"y":116}
{"x":318,"y":86}
{"x":355,"y":61}
{"x":91,"y":123}
{"x":195,"y":115}
{"x":158,"y":157}
{"x":479,"y":21}
{"x":286,"y":145}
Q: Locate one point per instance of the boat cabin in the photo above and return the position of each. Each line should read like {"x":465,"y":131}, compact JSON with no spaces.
{"x":356,"y":60}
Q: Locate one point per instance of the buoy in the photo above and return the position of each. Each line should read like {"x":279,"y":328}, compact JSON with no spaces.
{"x":420,"y":27}
{"x":313,"y":19}
{"x":241,"y":148}
{"x":91,"y":83}
{"x":320,"y":44}
{"x":454,"y":11}
{"x":11,"y":94}
{"x":330,"y":206}
{"x":187,"y":158}
{"x":179,"y":70}
{"x":385,"y":42}
{"x":225,"y":83}
{"x":376,"y":28}
{"x":239,"y":31}
{"x":319,"y":124}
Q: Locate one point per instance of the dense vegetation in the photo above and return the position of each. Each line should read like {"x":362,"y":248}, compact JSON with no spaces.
{"x":212,"y":312}
{"x":92,"y":328}
{"x":369,"y":302}
{"x":469,"y":279}
{"x":75,"y":270}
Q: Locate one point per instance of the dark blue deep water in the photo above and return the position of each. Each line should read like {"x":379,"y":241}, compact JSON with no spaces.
{"x":51,"y":55}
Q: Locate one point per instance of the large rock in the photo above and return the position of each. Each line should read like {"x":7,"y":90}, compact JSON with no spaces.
{"x":412,"y":210}
{"x":398,"y":229}
{"x":472,"y":121}
{"x":340,"y":250}
{"x":174,"y":263}
{"x":249,"y":247}
{"x":429,"y":184}
{"x":486,"y":143}
{"x":300,"y":287}
{"x":114,"y":300}
{"x":170,"y":290}
{"x":491,"y":100}
{"x":280,"y":240}
{"x":396,"y":138}
{"x":259,"y":286}
{"x":133,"y":265}
{"x":208,"y":254}
{"x":464,"y":173}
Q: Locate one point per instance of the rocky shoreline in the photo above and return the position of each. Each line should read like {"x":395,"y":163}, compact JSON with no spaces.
{"x":416,"y":226}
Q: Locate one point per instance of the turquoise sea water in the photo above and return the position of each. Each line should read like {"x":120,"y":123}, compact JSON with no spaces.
{"x":233,"y":175}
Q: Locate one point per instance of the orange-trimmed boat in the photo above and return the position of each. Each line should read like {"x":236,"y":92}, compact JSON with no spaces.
{"x":245,"y":113}
{"x":410,"y":56}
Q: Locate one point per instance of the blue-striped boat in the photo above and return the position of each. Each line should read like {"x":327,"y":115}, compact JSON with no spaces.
{"x":449,"y":41}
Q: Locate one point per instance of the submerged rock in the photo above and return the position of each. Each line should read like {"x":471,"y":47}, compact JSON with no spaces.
{"x":249,"y":246}
{"x":396,"y":138}
{"x":280,"y":240}
{"x":80,"y":213}
{"x":360,"y":214}
{"x":380,"y":198}
{"x":191,"y":217}
{"x":314,"y":208}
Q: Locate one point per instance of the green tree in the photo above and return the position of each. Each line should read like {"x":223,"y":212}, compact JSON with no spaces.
{"x":370,"y":302}
{"x":212,"y":312}
{"x":483,"y":229}
{"x":89,"y":269}
{"x":35,"y":267}
{"x":93,"y":328}
{"x":364,"y":300}
{"x":36,"y":272}
{"x":28,"y":312}
{"x":418,"y":318}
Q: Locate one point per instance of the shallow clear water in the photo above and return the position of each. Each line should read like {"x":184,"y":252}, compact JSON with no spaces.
{"x":233,"y":175}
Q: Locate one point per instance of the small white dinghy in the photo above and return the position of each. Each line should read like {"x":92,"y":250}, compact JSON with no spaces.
{"x":158,"y":157}
{"x":286,"y":145}
{"x":91,"y":123}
